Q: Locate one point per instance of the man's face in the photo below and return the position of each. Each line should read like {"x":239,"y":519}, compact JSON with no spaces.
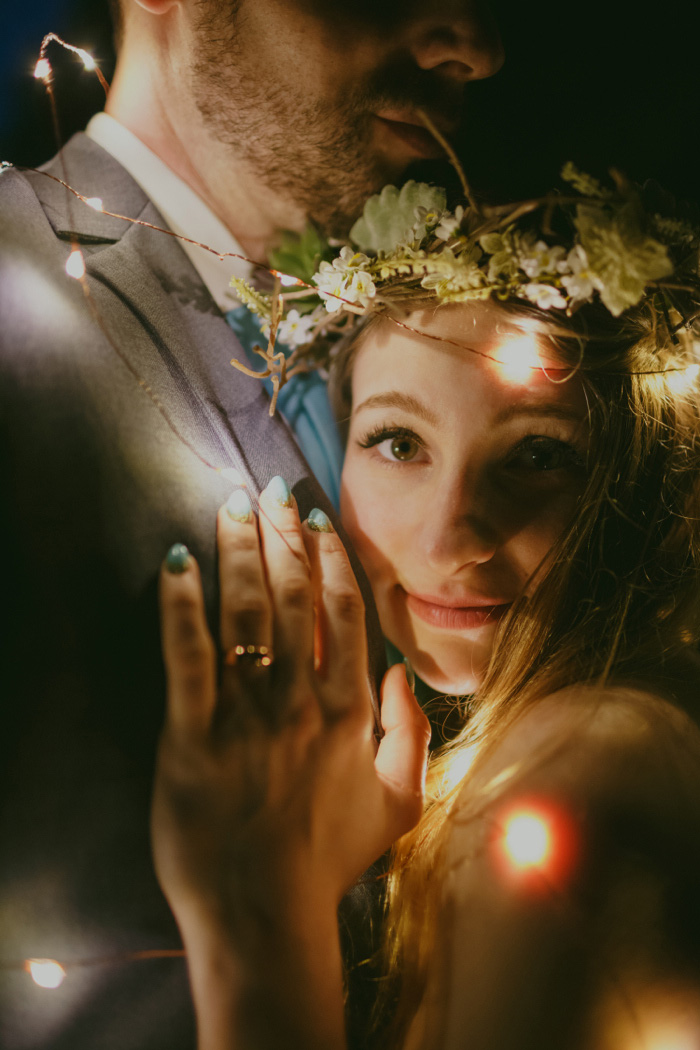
{"x":320,"y":97}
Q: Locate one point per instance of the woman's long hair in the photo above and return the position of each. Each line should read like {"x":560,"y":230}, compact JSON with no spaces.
{"x":620,"y":588}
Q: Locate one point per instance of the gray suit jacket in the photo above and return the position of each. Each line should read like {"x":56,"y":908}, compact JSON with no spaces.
{"x":95,"y":486}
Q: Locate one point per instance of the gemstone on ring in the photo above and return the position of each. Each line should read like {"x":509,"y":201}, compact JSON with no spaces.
{"x":261,"y":655}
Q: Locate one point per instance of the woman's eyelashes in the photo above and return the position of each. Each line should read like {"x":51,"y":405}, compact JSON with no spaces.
{"x":538,"y":454}
{"x":394,"y":444}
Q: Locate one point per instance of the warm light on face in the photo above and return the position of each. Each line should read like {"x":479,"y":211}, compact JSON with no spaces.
{"x":527,"y":839}
{"x":517,"y":359}
{"x":42,"y":70}
{"x":47,"y":973}
{"x":75,"y":264}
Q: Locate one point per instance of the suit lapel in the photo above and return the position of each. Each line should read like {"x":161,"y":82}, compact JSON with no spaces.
{"x":144,"y":283}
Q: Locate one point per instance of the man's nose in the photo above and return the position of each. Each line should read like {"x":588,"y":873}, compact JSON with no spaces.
{"x":458,"y":38}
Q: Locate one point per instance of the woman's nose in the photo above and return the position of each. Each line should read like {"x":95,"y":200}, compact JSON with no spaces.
{"x":456,"y":531}
{"x":458,"y":37}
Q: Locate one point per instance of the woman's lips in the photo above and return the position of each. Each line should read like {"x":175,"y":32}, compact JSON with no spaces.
{"x":436,"y":612}
{"x":415,"y":136}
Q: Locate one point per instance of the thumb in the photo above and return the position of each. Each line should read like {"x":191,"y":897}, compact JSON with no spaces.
{"x":402,"y":756}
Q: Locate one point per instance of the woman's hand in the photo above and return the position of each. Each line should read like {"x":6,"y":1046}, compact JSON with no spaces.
{"x":271,"y":794}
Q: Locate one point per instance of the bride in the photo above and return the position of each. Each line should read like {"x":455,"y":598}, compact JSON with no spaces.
{"x":520,"y":483}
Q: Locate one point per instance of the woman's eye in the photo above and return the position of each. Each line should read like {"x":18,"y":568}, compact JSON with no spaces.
{"x":540,"y":454}
{"x":395,"y":445}
{"x":400,"y":447}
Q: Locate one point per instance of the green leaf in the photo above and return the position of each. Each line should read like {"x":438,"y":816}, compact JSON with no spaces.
{"x":300,"y":254}
{"x":389,"y":217}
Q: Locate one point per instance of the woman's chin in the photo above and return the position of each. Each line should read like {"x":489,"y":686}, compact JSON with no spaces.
{"x":453,"y":682}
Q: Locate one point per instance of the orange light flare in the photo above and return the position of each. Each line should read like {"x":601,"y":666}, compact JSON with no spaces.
{"x":535,"y":843}
{"x":47,"y":973}
{"x":651,"y":1017}
{"x":518,"y":360}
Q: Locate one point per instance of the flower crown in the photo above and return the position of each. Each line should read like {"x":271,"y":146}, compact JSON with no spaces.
{"x":557,"y":253}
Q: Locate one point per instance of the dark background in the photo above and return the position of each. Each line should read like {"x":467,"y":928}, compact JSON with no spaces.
{"x":599,"y":83}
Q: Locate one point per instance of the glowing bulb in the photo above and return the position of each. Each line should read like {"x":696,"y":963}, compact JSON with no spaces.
{"x":681,"y":382}
{"x":75,"y":264}
{"x":287,"y":281}
{"x":527,"y":839}
{"x":42,"y":70}
{"x":88,"y":60}
{"x":47,"y":973}
{"x":94,"y":202}
{"x":517,"y":359}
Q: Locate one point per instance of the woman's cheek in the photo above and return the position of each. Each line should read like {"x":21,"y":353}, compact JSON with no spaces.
{"x":371,"y":512}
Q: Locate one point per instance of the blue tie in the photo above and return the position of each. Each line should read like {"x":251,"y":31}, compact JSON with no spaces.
{"x":303,"y":403}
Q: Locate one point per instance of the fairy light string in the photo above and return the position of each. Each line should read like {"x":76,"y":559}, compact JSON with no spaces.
{"x":279,"y":368}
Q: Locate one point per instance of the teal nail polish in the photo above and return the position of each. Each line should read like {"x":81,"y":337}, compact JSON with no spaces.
{"x":239,"y":507}
{"x":317,"y":521}
{"x":279,"y":491}
{"x":410,"y":674}
{"x":177,"y":559}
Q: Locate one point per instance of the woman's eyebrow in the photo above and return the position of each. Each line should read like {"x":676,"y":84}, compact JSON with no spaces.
{"x":395,"y":399}
{"x":539,"y":408}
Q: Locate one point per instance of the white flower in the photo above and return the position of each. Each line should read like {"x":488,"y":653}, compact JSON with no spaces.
{"x":331,"y":284}
{"x":337,"y":287}
{"x":544,"y":296}
{"x":295,"y":329}
{"x":449,"y":224}
{"x":349,"y":260}
{"x":361,"y":289}
{"x":577,"y":279}
{"x":536,"y":259}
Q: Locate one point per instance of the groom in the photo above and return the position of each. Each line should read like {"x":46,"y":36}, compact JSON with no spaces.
{"x":123,"y":427}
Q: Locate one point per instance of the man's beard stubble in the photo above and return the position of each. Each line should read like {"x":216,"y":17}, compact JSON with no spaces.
{"x":315,"y":154}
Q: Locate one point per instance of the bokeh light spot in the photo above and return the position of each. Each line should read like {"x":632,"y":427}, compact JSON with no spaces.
{"x":47,"y":973}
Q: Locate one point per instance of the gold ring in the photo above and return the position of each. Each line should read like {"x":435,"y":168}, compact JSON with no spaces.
{"x":261,"y":655}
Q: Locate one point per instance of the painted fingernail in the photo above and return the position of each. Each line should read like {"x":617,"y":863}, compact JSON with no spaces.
{"x":239,"y":507}
{"x":317,"y":521}
{"x":177,"y":559}
{"x":279,"y":491}
{"x":410,"y":674}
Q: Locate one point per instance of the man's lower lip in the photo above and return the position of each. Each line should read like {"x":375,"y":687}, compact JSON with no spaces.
{"x":455,"y":619}
{"x":418,"y":138}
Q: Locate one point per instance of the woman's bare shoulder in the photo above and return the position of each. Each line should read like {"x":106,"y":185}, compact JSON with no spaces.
{"x":569,"y":870}
{"x":626,"y":738}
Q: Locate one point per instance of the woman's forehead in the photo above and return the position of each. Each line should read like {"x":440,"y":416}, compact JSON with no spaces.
{"x":478,"y":343}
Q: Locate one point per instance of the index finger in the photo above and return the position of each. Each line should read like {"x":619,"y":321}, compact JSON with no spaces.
{"x":188,"y":648}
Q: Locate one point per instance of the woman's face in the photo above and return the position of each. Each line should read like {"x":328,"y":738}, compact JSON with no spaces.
{"x":460,"y":474}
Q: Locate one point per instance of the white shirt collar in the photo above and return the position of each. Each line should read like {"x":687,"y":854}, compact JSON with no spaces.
{"x":183,"y":210}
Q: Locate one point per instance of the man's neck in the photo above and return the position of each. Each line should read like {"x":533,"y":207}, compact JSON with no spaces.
{"x":252,"y":212}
